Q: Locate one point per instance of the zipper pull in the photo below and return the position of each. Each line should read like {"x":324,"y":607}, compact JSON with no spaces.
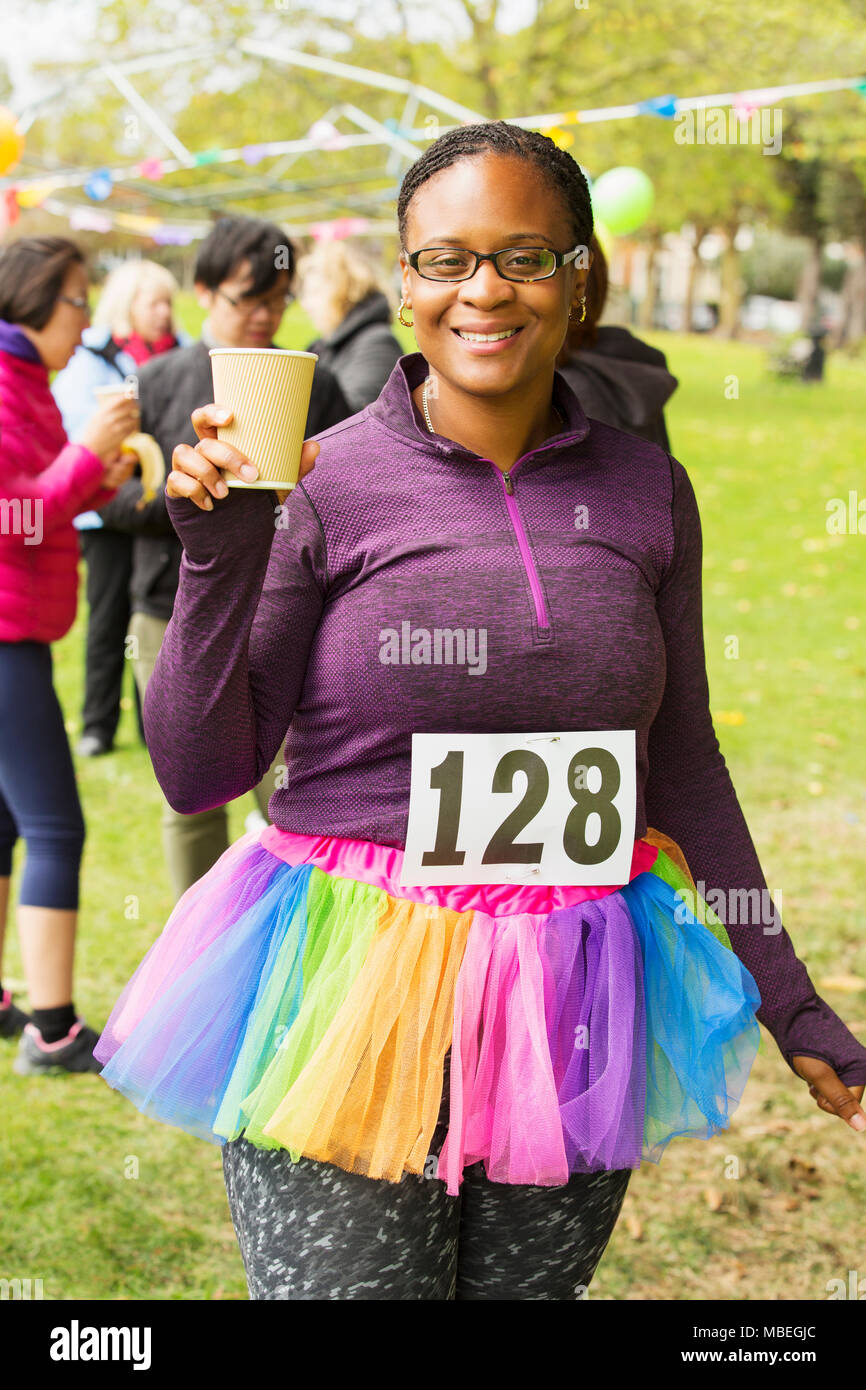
{"x":509,"y":486}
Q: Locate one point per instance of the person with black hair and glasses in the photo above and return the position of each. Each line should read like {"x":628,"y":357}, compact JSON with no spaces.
{"x":243,"y":277}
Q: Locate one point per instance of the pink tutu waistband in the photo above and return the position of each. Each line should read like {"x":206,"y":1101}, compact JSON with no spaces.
{"x":380,"y":865}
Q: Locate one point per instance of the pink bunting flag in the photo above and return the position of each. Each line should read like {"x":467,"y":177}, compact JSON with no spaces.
{"x":151,"y":169}
{"x":339,"y":228}
{"x":9,"y":212}
{"x":83,"y":220}
{"x":326,"y":134}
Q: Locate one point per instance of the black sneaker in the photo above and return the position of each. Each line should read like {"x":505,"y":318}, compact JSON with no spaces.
{"x":72,"y":1053}
{"x":12,"y":1019}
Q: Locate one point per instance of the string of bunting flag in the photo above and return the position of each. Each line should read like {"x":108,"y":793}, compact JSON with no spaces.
{"x":100,"y":184}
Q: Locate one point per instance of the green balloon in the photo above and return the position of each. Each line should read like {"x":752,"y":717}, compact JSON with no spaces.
{"x":622,"y":198}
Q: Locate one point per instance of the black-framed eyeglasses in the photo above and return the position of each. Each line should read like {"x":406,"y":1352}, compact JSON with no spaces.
{"x":78,"y":303}
{"x":276,"y":304}
{"x":518,"y":263}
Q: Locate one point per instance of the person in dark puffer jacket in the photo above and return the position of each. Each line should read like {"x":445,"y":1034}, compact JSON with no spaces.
{"x":618,"y":379}
{"x":346,"y":301}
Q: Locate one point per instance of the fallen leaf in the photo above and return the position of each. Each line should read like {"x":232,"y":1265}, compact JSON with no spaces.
{"x":801,"y":1169}
{"x":729,"y":716}
{"x":634,"y":1226}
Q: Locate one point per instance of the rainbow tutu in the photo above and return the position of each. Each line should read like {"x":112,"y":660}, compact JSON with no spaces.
{"x":300,"y":996}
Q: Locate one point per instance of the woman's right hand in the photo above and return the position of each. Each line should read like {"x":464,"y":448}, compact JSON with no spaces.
{"x":109,"y":426}
{"x":195,"y":472}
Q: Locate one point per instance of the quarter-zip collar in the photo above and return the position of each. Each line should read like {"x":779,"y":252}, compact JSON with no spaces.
{"x":395,"y":410}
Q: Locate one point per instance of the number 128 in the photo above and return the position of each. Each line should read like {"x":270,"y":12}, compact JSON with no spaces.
{"x":447,"y":779}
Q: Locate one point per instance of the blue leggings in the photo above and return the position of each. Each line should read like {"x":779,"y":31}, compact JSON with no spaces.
{"x":38,"y":792}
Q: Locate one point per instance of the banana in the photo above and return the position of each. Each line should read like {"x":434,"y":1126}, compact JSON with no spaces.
{"x":149,"y":455}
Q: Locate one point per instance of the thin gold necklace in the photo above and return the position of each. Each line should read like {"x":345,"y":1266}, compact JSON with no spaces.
{"x":427,"y":381}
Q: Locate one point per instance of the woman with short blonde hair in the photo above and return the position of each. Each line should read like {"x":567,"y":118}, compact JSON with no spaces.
{"x":350,"y":304}
{"x":136,"y":304}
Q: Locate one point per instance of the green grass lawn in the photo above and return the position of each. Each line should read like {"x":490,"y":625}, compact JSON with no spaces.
{"x":100,"y":1202}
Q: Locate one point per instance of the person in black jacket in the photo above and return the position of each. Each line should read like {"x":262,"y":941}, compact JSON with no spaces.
{"x":243,"y":277}
{"x":343,"y":296}
{"x":617,"y":378}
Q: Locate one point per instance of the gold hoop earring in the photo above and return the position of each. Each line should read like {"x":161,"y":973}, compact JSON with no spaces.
{"x":403,"y":306}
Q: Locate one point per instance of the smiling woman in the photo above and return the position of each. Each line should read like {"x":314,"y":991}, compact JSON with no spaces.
{"x":491,"y":314}
{"x":444,"y":1005}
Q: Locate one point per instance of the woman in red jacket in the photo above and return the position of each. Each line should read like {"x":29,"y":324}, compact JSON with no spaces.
{"x":44,"y":482}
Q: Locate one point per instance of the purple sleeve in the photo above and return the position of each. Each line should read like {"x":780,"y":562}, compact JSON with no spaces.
{"x":690,"y":796}
{"x":233,"y":659}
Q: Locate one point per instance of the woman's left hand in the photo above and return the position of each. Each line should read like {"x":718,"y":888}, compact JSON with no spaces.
{"x":119,"y":469}
{"x":829,"y":1092}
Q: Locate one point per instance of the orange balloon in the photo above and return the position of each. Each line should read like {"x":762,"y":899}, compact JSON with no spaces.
{"x":11,"y":141}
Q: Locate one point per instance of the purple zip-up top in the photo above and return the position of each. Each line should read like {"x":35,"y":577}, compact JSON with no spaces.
{"x":575,"y":580}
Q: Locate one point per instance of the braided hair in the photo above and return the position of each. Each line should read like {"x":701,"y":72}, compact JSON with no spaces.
{"x":563,"y":172}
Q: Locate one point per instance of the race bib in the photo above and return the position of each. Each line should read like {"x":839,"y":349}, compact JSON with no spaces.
{"x":554,"y":808}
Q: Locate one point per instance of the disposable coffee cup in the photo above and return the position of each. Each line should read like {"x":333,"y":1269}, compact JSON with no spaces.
{"x":268,"y":392}
{"x":127,"y":388}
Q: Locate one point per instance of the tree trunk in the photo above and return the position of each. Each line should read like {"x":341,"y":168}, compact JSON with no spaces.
{"x":483,"y":21}
{"x":852,"y":329}
{"x":810,"y":281}
{"x":646,"y":315}
{"x":691,"y":282}
{"x":731,"y":290}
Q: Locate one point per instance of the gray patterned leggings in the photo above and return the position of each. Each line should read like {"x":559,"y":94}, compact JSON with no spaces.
{"x":309,"y":1230}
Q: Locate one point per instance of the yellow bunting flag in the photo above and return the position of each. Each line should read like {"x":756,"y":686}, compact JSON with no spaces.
{"x":560,"y":137}
{"x":34,"y":194}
